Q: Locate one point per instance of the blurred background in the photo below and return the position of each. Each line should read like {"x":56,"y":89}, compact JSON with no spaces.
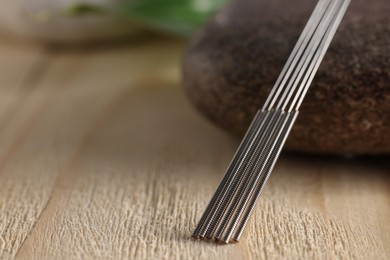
{"x":69,"y":21}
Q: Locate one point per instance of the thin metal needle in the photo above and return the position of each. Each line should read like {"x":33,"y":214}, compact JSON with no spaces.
{"x":324,"y":48}
{"x":295,"y":54}
{"x":258,"y":139}
{"x":243,"y":146}
{"x":303,"y":63}
{"x":233,"y":202}
{"x":256,"y":172}
{"x":256,"y":195}
{"x":260,"y":153}
{"x":243,"y":157}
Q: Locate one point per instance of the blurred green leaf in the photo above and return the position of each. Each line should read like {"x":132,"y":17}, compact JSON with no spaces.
{"x":84,"y":9}
{"x":180,"y":17}
{"x":176,"y":16}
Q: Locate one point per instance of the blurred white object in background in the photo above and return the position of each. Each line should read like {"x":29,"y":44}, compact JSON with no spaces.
{"x":48,"y":20}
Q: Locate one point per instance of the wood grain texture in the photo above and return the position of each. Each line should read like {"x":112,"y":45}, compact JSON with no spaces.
{"x":102,"y":157}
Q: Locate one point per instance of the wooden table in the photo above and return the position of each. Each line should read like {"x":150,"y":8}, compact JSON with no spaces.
{"x":102,"y":157}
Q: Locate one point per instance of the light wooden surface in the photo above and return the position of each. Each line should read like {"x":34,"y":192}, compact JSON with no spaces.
{"x":102,"y":157}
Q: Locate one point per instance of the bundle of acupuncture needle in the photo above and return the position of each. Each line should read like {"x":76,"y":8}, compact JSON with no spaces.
{"x":234,"y":200}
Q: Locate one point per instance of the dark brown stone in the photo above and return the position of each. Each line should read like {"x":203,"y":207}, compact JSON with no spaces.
{"x":233,"y":61}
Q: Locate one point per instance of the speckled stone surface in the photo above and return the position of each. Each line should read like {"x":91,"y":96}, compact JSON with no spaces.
{"x":233,"y":61}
